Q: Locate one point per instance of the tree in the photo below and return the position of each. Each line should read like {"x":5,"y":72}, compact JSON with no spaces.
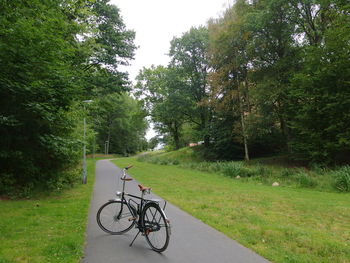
{"x":153,"y":143}
{"x":188,"y":56}
{"x":112,"y":45}
{"x":275,"y":59}
{"x":230,"y":62}
{"x":50,"y":51}
{"x":120,"y":123}
{"x":160,"y":88}
{"x":283,"y":67}
{"x":321,"y":93}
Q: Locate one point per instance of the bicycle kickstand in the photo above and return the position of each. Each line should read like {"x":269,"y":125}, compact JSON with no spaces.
{"x":134,"y":238}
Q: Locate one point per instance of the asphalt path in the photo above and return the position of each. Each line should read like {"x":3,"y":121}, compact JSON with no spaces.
{"x":191,"y":240}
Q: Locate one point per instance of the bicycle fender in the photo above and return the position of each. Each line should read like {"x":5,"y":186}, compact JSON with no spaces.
{"x":114,"y":199}
{"x":167,"y":219}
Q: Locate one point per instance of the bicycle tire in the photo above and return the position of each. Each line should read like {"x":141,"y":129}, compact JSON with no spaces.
{"x":108,"y":221}
{"x":155,"y":227}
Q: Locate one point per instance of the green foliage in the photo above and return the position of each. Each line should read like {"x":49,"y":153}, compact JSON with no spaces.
{"x":256,"y":171}
{"x":36,"y":73}
{"x":342,"y":179}
{"x":305,"y":180}
{"x":291,"y":58}
{"x":175,"y":96}
{"x":322,"y":92}
{"x":188,"y":57}
{"x":159,"y":87}
{"x":120,"y":121}
{"x":50,"y":52}
{"x":153,"y":143}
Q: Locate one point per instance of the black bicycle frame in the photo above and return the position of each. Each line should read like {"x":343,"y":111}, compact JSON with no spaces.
{"x":132,"y":209}
{"x":139,"y":207}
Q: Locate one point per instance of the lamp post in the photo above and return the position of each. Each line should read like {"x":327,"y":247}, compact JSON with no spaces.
{"x":84,"y":177}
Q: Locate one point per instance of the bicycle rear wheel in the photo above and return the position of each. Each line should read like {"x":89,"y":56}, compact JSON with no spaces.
{"x":155,"y":227}
{"x":114,"y":217}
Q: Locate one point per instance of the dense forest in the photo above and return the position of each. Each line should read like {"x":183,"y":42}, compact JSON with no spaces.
{"x":54,"y":57}
{"x":267,"y":77}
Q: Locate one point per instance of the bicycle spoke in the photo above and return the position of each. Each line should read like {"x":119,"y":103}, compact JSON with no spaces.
{"x":155,"y":227}
{"x":113,"y":217}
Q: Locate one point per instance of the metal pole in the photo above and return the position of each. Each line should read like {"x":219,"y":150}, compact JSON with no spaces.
{"x":84,"y":175}
{"x":94,"y":143}
{"x":84,"y":155}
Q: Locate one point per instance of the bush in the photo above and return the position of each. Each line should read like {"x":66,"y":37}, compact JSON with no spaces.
{"x":342,"y":179}
{"x":305,"y":180}
{"x":318,"y":169}
{"x":176,"y":162}
{"x":234,"y":169}
{"x":319,"y":176}
{"x":231,"y":169}
{"x":262,"y":171}
{"x":287,"y":172}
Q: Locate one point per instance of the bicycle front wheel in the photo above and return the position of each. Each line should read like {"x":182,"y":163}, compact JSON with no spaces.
{"x":155,"y":227}
{"x":115,"y":217}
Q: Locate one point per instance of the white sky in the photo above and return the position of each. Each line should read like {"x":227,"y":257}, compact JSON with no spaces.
{"x":156,"y":22}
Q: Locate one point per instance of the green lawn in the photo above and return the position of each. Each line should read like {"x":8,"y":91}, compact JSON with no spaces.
{"x":49,"y":229}
{"x":283,"y":224}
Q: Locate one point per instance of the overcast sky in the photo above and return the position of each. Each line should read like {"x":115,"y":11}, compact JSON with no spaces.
{"x":156,"y":22}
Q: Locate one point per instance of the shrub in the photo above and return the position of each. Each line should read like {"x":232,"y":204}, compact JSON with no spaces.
{"x":262,"y":171}
{"x":318,"y":169}
{"x":176,"y":162}
{"x":234,"y":169}
{"x":305,"y":180}
{"x":215,"y":167}
{"x":164,"y":162}
{"x":342,"y":179}
{"x":231,"y":169}
{"x":287,"y":172}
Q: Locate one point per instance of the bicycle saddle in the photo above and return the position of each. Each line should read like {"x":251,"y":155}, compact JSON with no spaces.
{"x":126,"y":179}
{"x":143,"y":188}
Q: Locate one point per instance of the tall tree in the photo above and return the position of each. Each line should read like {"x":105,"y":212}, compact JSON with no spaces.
{"x":321,"y":89}
{"x":160,"y":88}
{"x":48,"y":51}
{"x":274,"y":60}
{"x":112,"y":45}
{"x":120,"y":123}
{"x":230,"y":62}
{"x":289,"y":56}
{"x":188,"y":56}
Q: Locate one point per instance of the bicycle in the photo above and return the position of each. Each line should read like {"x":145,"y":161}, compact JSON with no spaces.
{"x":119,"y":215}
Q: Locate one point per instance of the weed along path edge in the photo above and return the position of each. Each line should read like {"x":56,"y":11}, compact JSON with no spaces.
{"x":190,"y":241}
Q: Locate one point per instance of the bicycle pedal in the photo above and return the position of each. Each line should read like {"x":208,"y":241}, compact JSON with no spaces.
{"x":146,"y":232}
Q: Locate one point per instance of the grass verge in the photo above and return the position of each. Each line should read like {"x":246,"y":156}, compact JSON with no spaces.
{"x":47,"y":229}
{"x":282,"y":224}
{"x":264,"y":170}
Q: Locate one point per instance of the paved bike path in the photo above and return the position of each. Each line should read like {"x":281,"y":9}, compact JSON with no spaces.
{"x":191,"y":240}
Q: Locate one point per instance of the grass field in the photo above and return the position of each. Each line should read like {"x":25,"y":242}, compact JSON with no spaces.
{"x":47,"y":229}
{"x":266,"y":170}
{"x":283,"y":224}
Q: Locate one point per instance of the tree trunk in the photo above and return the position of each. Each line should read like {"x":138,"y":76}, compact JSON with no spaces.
{"x":244,"y":132}
{"x":108,"y":140}
{"x":176,"y":136}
